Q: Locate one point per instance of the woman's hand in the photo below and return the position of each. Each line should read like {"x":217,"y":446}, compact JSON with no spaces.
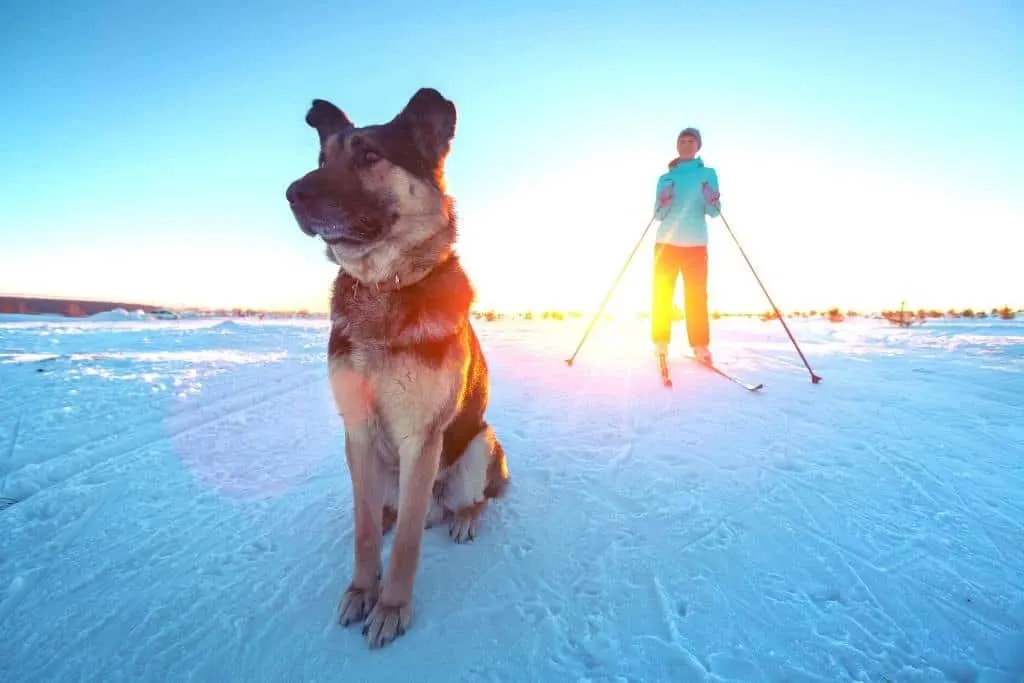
{"x":665,"y":197}
{"x":710,"y":196}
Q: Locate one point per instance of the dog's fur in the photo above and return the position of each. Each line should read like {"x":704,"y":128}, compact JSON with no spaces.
{"x":406,"y":368}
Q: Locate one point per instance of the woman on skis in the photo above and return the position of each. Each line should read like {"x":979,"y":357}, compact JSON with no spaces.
{"x":687,"y":193}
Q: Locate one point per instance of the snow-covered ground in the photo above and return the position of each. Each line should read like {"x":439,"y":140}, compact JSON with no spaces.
{"x":178,"y":508}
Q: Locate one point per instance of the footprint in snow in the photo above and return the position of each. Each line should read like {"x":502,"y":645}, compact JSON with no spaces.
{"x":522,"y":549}
{"x":825,"y":596}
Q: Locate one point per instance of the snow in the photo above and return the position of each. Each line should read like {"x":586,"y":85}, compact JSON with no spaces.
{"x":177,"y":507}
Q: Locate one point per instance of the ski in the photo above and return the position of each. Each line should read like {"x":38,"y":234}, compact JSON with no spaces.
{"x":732,"y":378}
{"x":666,"y":378}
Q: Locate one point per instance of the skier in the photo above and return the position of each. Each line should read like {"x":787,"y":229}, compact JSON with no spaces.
{"x":686,"y":194}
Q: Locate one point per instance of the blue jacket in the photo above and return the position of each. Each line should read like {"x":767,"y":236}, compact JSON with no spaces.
{"x":683,"y":221}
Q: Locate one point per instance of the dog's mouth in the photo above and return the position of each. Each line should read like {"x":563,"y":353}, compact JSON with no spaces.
{"x":342,"y":230}
{"x":343,"y":240}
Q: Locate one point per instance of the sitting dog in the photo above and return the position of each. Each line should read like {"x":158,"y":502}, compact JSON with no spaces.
{"x":406,"y":369}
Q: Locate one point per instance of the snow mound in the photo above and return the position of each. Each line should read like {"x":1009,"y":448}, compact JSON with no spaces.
{"x":227,"y":326}
{"x":117,"y":314}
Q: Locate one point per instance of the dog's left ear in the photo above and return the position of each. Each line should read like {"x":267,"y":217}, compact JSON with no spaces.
{"x":432,"y":120}
{"x":327,"y":119}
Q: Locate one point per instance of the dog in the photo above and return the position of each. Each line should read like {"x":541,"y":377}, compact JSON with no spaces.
{"x":406,"y":369}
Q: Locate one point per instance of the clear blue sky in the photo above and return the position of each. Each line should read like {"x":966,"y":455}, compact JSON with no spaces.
{"x":867,"y":153}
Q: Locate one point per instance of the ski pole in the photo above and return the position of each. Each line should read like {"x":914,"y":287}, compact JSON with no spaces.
{"x":814,"y":378}
{"x":593,"y":321}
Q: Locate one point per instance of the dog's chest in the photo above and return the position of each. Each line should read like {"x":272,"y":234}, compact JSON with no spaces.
{"x":400,"y":388}
{"x":373,"y":330}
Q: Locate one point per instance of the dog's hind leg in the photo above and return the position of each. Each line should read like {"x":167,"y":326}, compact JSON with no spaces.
{"x":390,"y":516}
{"x":480,"y":474}
{"x":390,"y":513}
{"x":466,"y":521}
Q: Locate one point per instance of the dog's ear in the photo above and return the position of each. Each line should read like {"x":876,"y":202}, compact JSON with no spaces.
{"x":327,"y":119}
{"x":432,"y":120}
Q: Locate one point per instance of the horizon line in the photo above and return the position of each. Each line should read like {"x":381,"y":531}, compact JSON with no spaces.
{"x":848,"y":311}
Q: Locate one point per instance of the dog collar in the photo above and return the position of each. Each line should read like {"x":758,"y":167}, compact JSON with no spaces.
{"x":387,"y":285}
{"x":383,"y":285}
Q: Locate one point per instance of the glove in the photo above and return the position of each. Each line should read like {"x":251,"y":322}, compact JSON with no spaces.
{"x":665,"y":197}
{"x":710,"y":196}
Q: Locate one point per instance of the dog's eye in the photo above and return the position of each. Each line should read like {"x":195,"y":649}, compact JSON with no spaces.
{"x":369,"y":156}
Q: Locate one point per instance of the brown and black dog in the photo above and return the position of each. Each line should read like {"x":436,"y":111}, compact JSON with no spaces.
{"x":406,"y":369}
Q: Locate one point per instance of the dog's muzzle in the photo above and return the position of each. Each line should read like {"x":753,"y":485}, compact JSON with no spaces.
{"x":300,"y":200}
{"x":338,"y":220}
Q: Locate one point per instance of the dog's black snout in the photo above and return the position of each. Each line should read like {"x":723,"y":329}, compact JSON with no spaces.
{"x":300,"y":199}
{"x":297,"y":192}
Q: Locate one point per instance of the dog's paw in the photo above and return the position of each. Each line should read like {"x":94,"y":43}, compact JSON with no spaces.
{"x":465,"y":522}
{"x":385,"y":623}
{"x":356,"y":604}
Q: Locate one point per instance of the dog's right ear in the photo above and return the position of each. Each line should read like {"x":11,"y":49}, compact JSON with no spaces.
{"x":431,"y":117}
{"x":327,"y":119}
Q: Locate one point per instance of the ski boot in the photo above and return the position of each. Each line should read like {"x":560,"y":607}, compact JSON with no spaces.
{"x":702,"y":354}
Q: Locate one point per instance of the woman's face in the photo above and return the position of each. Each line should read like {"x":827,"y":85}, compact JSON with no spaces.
{"x":686,"y":145}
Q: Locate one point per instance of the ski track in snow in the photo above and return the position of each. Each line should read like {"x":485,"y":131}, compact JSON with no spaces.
{"x":175,"y":505}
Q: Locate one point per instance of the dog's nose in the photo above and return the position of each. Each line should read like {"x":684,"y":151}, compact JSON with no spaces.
{"x":296,"y":193}
{"x":299,"y":195}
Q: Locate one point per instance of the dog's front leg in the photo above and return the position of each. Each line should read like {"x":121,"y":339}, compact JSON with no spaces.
{"x":368,"y":498}
{"x":392,"y":616}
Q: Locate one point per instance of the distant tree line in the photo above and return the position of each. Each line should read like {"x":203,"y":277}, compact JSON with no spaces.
{"x":88,"y":307}
{"x":834,"y":314}
{"x":74,"y":308}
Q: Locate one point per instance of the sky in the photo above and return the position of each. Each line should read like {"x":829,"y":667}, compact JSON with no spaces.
{"x":868,"y":153}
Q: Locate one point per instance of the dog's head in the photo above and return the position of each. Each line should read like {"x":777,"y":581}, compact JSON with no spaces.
{"x":378,"y":197}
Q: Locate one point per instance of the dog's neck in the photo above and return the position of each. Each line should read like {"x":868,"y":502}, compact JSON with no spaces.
{"x":402,"y":279}
{"x":386,"y":285}
{"x":435,"y":307}
{"x":382,"y":271}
